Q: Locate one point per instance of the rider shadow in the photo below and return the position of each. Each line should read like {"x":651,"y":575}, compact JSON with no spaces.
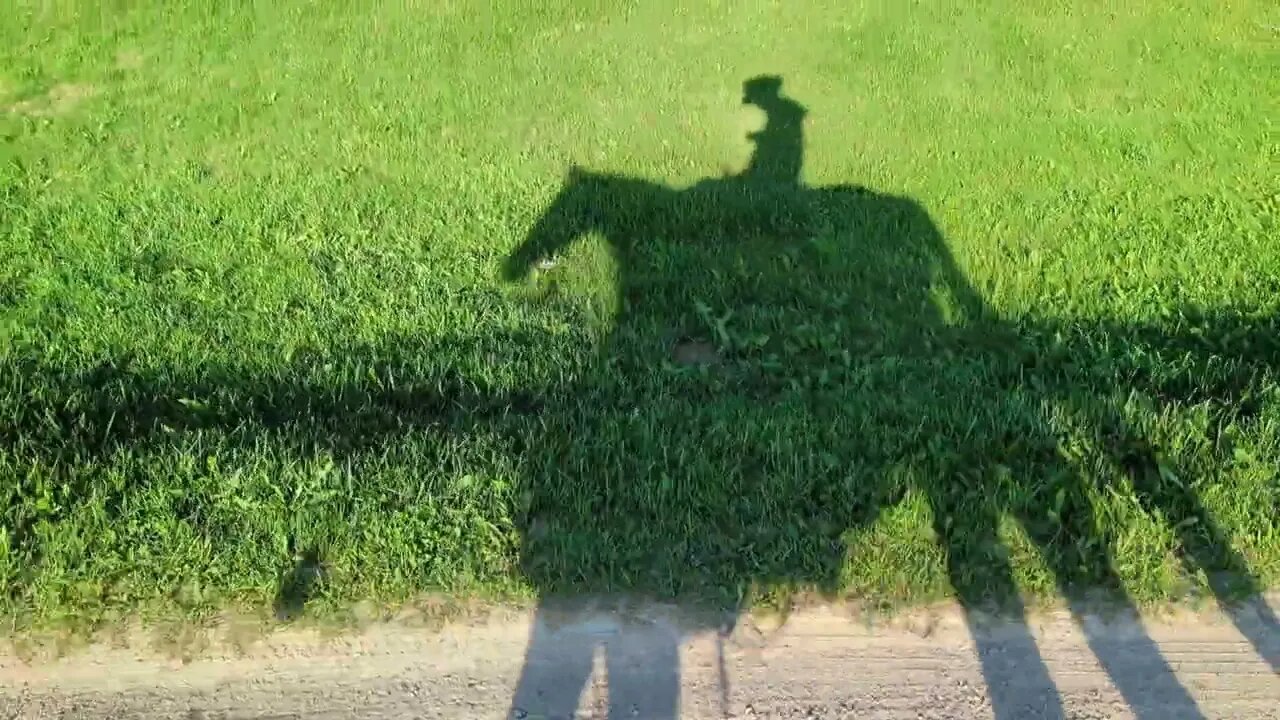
{"x":782,"y":315}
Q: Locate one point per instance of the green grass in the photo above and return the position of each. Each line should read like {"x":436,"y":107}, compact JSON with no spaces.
{"x":272,"y":322}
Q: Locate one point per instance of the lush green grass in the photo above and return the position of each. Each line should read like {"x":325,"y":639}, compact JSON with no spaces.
{"x":253,"y":307}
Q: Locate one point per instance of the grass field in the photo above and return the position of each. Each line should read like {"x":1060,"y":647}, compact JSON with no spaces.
{"x":303,"y":302}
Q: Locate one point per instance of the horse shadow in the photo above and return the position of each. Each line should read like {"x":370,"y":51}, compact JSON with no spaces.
{"x":780,"y":317}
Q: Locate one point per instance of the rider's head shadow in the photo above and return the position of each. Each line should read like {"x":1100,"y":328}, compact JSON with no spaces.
{"x":779,"y":145}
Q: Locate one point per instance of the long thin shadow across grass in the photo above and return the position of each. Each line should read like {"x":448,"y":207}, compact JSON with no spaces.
{"x":785,"y":363}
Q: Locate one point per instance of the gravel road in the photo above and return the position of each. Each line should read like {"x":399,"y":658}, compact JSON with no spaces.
{"x":652,"y":663}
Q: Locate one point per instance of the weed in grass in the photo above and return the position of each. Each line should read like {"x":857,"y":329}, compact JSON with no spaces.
{"x":299,"y":585}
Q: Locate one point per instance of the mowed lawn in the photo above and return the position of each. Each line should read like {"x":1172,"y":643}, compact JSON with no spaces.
{"x":293,"y":309}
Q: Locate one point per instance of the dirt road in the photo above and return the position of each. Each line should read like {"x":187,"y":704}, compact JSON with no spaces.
{"x":822,"y":663}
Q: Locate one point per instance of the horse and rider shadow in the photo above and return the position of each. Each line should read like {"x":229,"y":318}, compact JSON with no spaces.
{"x":817,"y":352}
